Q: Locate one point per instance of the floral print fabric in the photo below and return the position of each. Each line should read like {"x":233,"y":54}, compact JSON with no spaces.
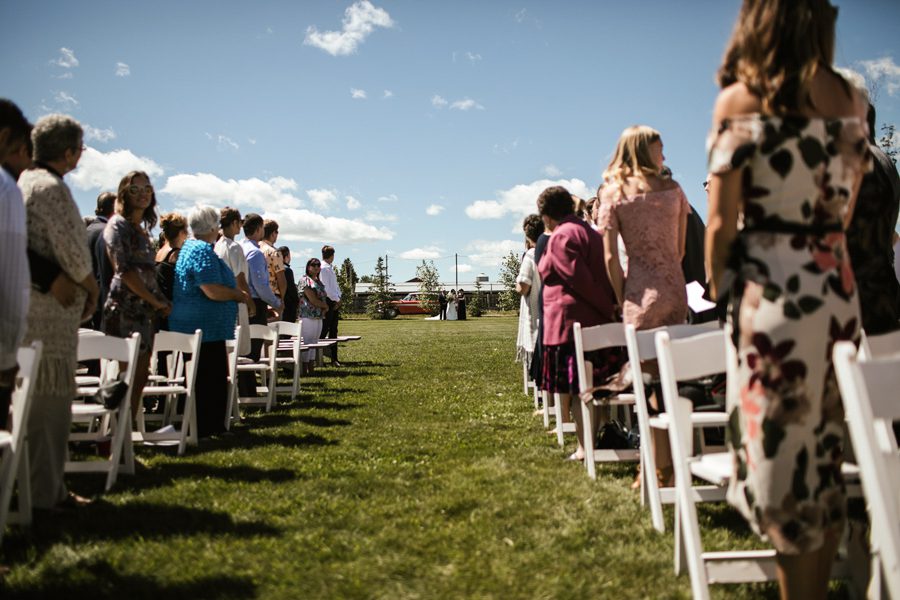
{"x":795,"y":298}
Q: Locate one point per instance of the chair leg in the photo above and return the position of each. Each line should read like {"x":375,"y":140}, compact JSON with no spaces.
{"x":23,"y":511}
{"x":546,"y":398}
{"x":587,"y":420}
{"x":559,"y":420}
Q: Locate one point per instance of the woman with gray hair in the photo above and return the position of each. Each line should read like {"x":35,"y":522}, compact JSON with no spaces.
{"x":56,"y":233}
{"x":205,"y":297}
{"x":134,"y":302}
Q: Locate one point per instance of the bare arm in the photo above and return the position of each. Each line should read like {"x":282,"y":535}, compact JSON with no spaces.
{"x":314,"y":298}
{"x":613,"y":266}
{"x":90,"y":303}
{"x":242,"y":285}
{"x":522,"y":288}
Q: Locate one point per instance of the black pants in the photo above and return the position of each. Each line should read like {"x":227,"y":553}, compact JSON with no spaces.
{"x":247,"y":380}
{"x":330,"y":326}
{"x":443,"y":311}
{"x":211,"y":390}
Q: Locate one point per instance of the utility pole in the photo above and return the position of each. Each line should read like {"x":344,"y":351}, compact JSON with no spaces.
{"x":456,"y":268}
{"x":386,"y":273}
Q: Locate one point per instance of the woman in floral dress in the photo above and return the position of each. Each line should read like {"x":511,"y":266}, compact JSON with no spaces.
{"x":787,"y":153}
{"x":313,"y":306}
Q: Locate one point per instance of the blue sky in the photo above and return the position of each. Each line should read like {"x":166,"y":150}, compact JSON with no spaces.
{"x":417,"y":129}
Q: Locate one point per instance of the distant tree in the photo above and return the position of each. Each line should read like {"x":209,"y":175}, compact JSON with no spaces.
{"x":379,"y":304}
{"x":347,"y":280}
{"x":890,"y":141}
{"x":509,"y":270}
{"x":366,"y":279}
{"x":476,"y":304}
{"x":429,"y":286}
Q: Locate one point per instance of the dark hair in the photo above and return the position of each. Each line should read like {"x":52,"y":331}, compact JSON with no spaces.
{"x":228,"y":215}
{"x":270,"y":227}
{"x":172,"y":225}
{"x":252,"y":222}
{"x":555,"y":202}
{"x":106,"y":204}
{"x":313,"y":262}
{"x":327,"y":252}
{"x":533,"y":227}
{"x":12,"y":118}
{"x":284,"y":251}
{"x":123,"y":206}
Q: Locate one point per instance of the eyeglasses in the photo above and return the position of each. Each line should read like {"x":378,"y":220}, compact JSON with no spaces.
{"x":134,"y":190}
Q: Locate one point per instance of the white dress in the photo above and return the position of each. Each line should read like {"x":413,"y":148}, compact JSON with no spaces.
{"x":528,"y":309}
{"x":451,"y":307}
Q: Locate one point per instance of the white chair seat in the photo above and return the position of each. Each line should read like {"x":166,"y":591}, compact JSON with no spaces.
{"x":162,"y":390}
{"x":702,"y":419}
{"x":714,"y":467}
{"x":83,"y":409}
{"x":86,"y":380}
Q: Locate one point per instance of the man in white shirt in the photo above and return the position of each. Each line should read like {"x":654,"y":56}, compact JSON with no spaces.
{"x":15,"y":291}
{"x":333,"y":291}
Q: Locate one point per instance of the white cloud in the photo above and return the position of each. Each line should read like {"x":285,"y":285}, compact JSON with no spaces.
{"x":520,"y":16}
{"x":883,"y":71}
{"x":360,"y":20}
{"x":427,"y":253}
{"x":122,"y":70}
{"x":506,"y":148}
{"x":438,"y":101}
{"x":66,"y":99}
{"x":322,"y":198}
{"x":103,"y":170}
{"x":388,"y":94}
{"x":389,"y":198}
{"x":487,"y":253}
{"x":274,"y":199}
{"x":434,"y":210}
{"x":466,"y":104}
{"x":357,"y":94}
{"x":251,"y":141}
{"x":473,"y":57}
{"x":520,"y":200}
{"x":93,"y":134}
{"x":377,"y":215}
{"x":66,"y":75}
{"x":223,"y":142}
{"x":353,"y":203}
{"x":551,"y":171}
{"x":66,"y":59}
{"x":464,"y":268}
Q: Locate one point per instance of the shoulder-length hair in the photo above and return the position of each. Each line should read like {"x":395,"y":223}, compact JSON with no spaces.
{"x":123,"y":201}
{"x":775,"y":49}
{"x":632,"y":156}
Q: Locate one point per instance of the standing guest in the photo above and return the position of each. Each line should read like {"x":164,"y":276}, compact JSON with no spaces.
{"x":870,"y":235}
{"x":291,"y":296}
{"x":649,"y":210}
{"x":528,"y":285}
{"x":18,"y":159}
{"x":313,"y":307}
{"x":174,"y":233}
{"x":231,"y":252}
{"x":333,"y":291}
{"x":576,"y":289}
{"x":275,"y":262}
{"x":206,"y":297}
{"x":442,"y":304}
{"x":258,"y":281}
{"x":106,"y":206}
{"x":55,"y":232}
{"x":134,"y":299}
{"x":451,"y":305}
{"x":461,"y":304}
{"x":787,"y":152}
{"x":537,"y":369}
{"x":15,"y":291}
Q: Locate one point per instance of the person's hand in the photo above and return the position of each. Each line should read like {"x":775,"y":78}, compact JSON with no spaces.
{"x":90,"y":305}
{"x":164,"y":309}
{"x":64,"y":289}
{"x":324,"y":308}
{"x":251,"y":308}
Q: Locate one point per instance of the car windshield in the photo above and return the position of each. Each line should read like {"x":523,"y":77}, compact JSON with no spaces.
{"x":411,"y":297}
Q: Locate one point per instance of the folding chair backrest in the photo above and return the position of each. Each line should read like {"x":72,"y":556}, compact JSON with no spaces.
{"x":29,"y":359}
{"x":286,"y":328}
{"x":874,"y":346}
{"x":263,"y":332}
{"x":107,"y":347}
{"x":588,"y":339}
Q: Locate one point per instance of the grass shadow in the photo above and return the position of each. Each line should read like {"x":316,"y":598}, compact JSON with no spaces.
{"x":323,"y":421}
{"x":99,"y":579}
{"x":325,"y":405}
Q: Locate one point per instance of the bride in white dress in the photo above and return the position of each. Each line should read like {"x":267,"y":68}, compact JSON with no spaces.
{"x":451,"y":306}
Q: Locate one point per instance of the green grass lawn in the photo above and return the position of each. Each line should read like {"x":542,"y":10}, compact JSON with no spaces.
{"x":415,"y":471}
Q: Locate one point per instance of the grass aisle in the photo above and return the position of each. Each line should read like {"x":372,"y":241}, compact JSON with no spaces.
{"x":416,"y":471}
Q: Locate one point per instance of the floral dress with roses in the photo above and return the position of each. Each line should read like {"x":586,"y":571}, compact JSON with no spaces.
{"x":793,"y":297}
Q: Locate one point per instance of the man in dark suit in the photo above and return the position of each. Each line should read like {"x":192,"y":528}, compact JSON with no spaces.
{"x":106,"y":205}
{"x":291,"y":296}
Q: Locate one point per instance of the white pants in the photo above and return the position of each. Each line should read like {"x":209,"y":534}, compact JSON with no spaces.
{"x":310,"y":329}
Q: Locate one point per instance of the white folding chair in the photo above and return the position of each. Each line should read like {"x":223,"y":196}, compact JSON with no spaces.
{"x":869,"y":390}
{"x":641,"y":347}
{"x":588,"y":339}
{"x":178,"y":427}
{"x":289,"y":351}
{"x":685,"y":359}
{"x":877,"y":346}
{"x":265,"y":366}
{"x":14,"y":468}
{"x":115,"y":424}
{"x":232,"y":413}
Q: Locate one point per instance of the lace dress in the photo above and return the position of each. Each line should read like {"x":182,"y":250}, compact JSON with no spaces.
{"x":794,"y":296}
{"x":528,"y":318}
{"x":651,"y":225}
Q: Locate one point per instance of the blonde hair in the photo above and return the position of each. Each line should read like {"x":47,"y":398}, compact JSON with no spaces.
{"x":632,"y":157}
{"x":776,"y":48}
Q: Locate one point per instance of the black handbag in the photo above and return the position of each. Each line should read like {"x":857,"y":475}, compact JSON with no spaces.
{"x":111,"y":394}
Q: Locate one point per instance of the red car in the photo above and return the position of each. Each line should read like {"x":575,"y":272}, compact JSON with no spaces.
{"x":408,"y":306}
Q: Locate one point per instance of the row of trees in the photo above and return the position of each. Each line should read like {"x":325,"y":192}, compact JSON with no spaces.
{"x":382,"y":291}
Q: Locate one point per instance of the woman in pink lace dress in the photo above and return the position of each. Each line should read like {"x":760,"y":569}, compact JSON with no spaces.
{"x":640,"y":202}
